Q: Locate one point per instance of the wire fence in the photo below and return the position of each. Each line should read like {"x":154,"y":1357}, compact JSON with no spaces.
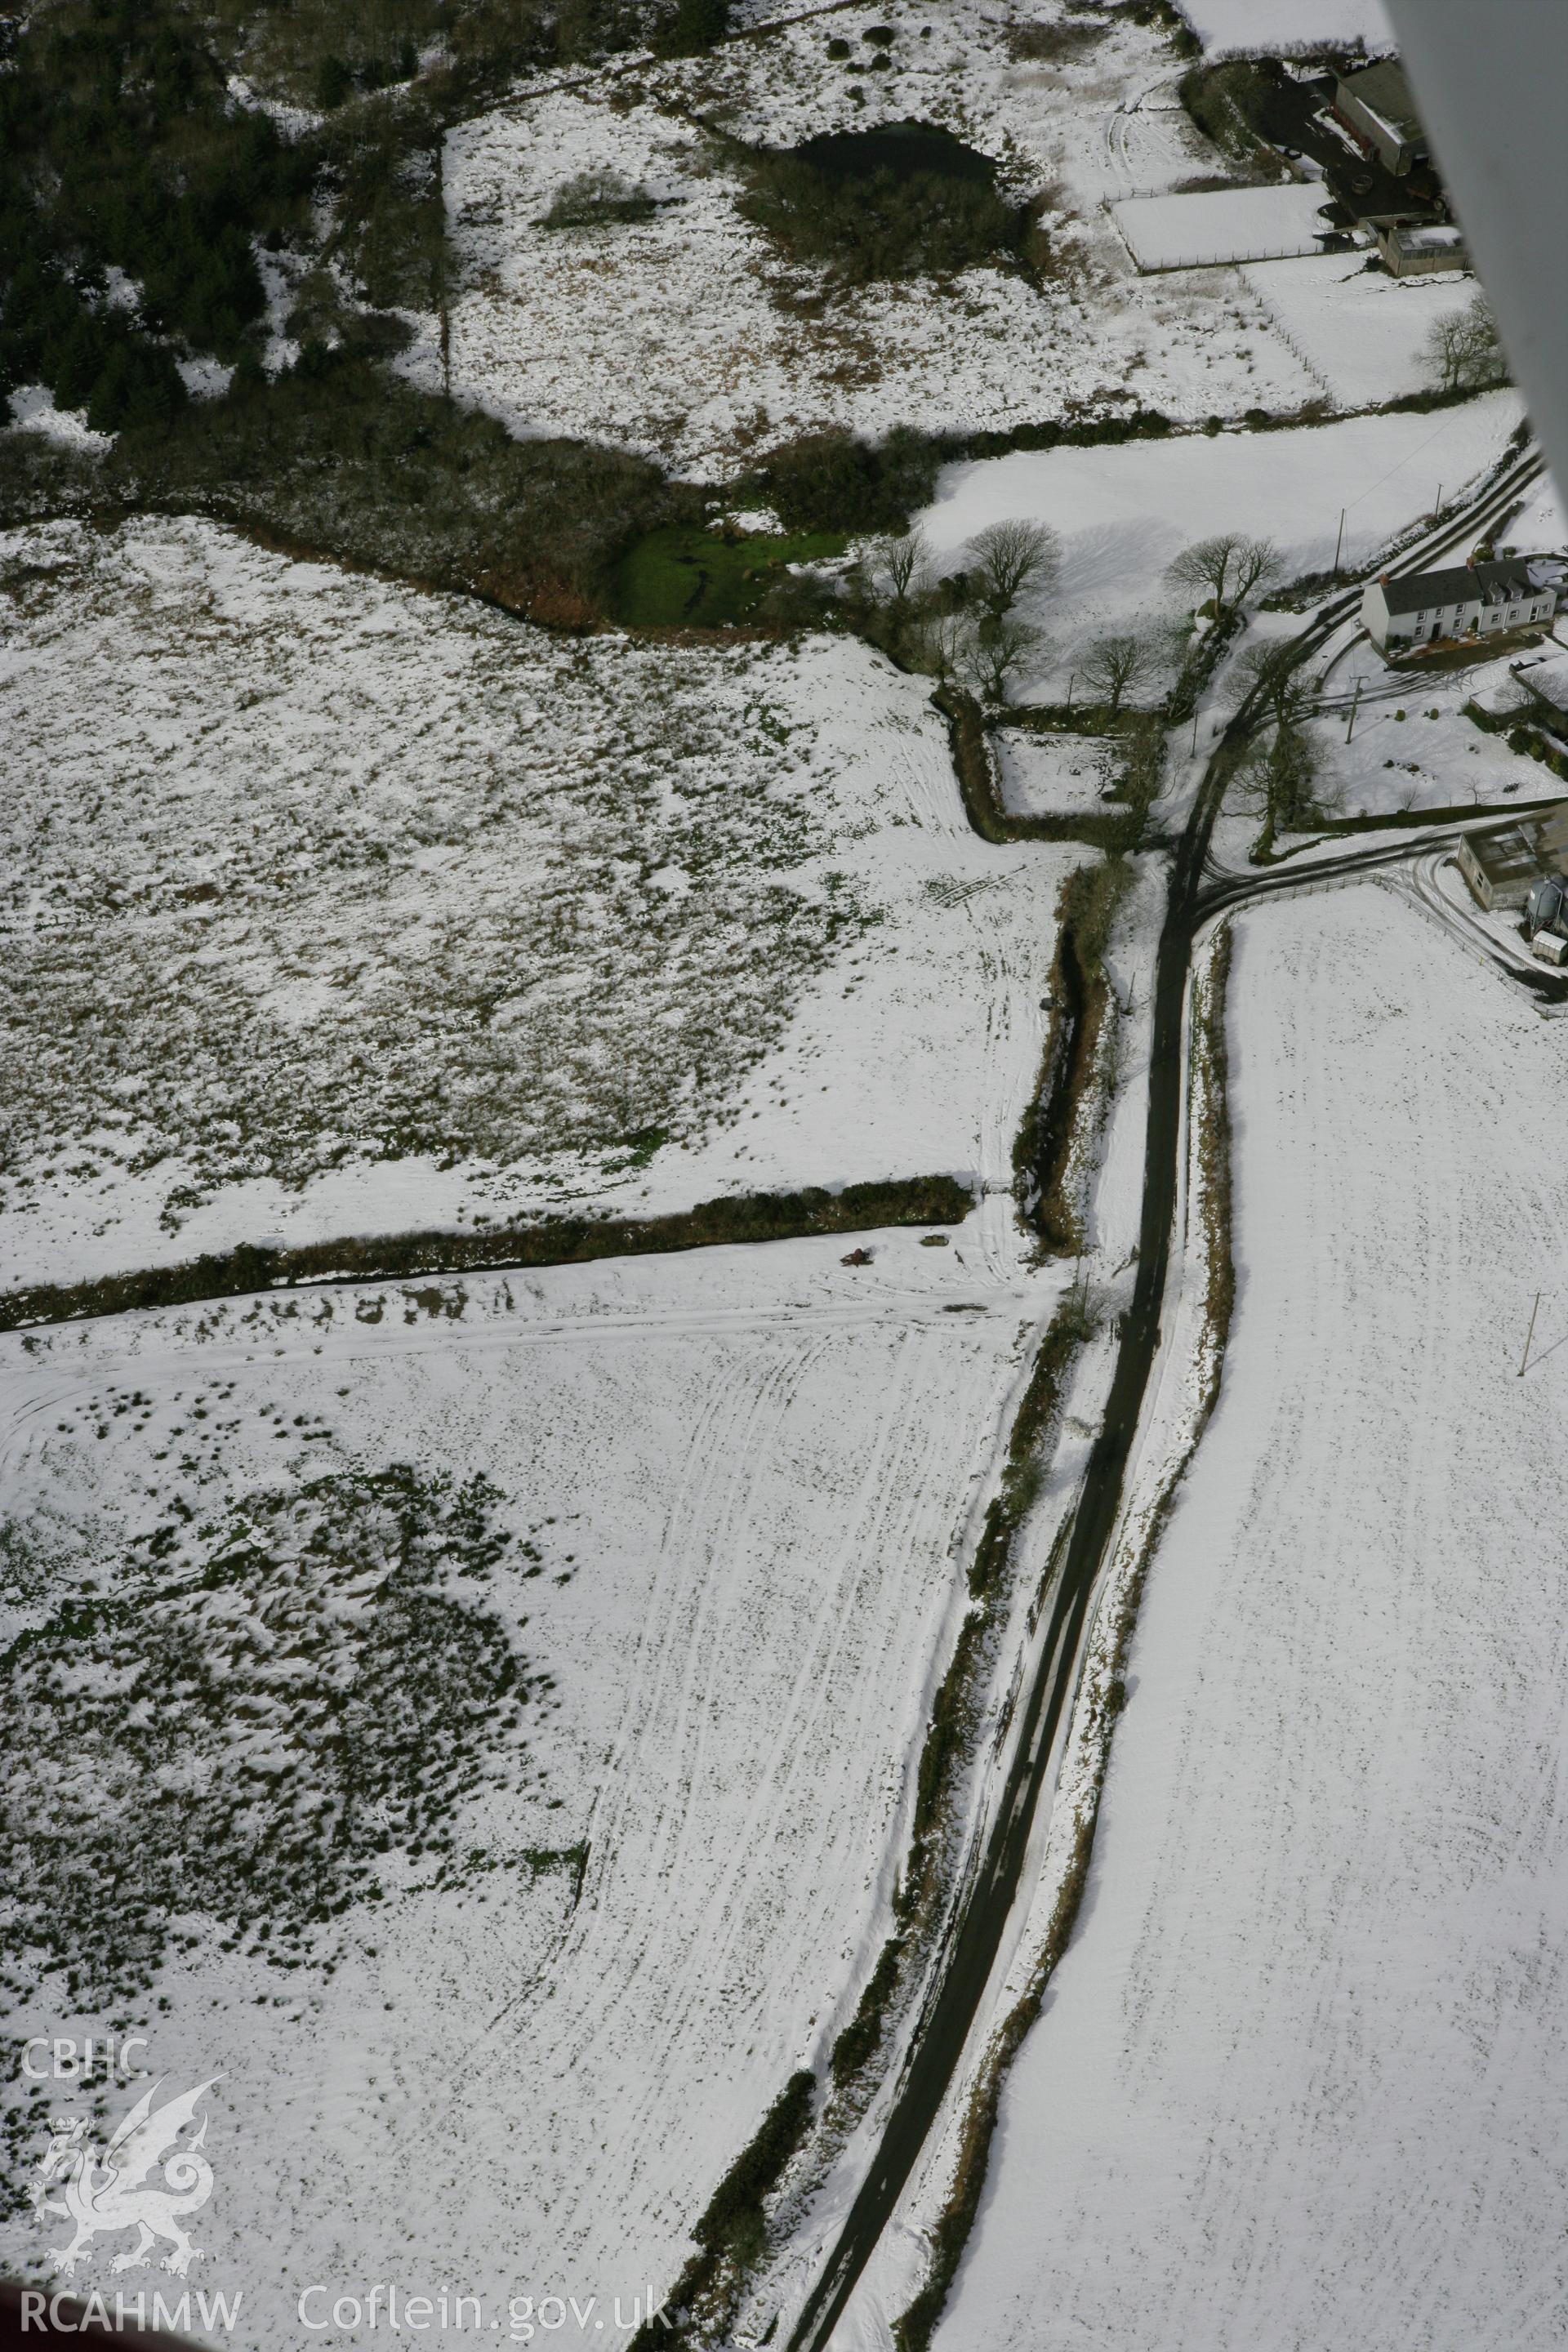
{"x":1221,"y":260}
{"x":1308,"y":366}
{"x":1228,"y":259}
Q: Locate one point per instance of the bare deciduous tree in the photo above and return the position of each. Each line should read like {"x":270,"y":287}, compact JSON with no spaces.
{"x":1443,"y":352}
{"x":1008,"y":557}
{"x":1258,"y":565}
{"x":897,"y":569}
{"x":1112,"y":666}
{"x":1462,"y":351}
{"x":1279,"y":774}
{"x":1206,"y":564}
{"x":941,"y":642}
{"x":1230,"y":566}
{"x":995,"y":650}
{"x":1276,"y":678}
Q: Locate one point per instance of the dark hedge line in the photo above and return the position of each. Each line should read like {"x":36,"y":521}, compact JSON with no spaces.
{"x":732,"y":2232}
{"x":340,"y":459}
{"x":1080,"y":998}
{"x":1077,"y":433}
{"x":1153,"y":424}
{"x":1114,"y":831}
{"x":913,"y":2330}
{"x":553,"y":1240}
{"x":833,"y":480}
{"x":955,"y":1710}
{"x":1458,"y":812}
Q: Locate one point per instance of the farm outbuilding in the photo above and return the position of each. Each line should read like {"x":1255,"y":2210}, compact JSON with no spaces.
{"x":1377,"y":109}
{"x":1503,"y":865}
{"x":1544,"y":682}
{"x":1419,"y":249}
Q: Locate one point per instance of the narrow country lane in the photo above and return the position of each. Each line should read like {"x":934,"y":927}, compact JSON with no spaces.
{"x":1197,"y":892}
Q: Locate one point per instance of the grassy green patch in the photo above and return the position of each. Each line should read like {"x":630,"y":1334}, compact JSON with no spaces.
{"x":684,"y":577}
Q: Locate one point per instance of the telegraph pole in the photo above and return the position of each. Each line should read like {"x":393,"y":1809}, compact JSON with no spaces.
{"x":1355,"y":704}
{"x":1338,"y":543}
{"x":1524,"y":1360}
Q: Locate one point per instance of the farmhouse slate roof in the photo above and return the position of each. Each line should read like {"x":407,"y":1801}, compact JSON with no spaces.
{"x":1458,"y":583}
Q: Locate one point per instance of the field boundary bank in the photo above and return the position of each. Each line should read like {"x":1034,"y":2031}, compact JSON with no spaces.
{"x":553,"y":1240}
{"x":713,"y":2288}
{"x":82,"y":500}
{"x":710,"y":2291}
{"x":1210,"y":1183}
{"x":980,"y":789}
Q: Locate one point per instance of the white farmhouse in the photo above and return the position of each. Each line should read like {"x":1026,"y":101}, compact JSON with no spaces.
{"x":1467,"y":601}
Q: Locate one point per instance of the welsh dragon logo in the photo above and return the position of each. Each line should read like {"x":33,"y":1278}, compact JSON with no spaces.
{"x":115,"y":2187}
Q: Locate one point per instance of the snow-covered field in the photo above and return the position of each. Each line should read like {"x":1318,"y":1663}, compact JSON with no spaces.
{"x":1538,"y":522}
{"x":689,"y":335}
{"x":1050,"y":775}
{"x":1302,"y":2078}
{"x":1274,"y":24}
{"x":1360,"y":331}
{"x":1122,"y":513}
{"x":476,"y":1719}
{"x":1224,"y":225}
{"x":1150,"y":141}
{"x":735,"y":1487}
{"x":334,"y":906}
